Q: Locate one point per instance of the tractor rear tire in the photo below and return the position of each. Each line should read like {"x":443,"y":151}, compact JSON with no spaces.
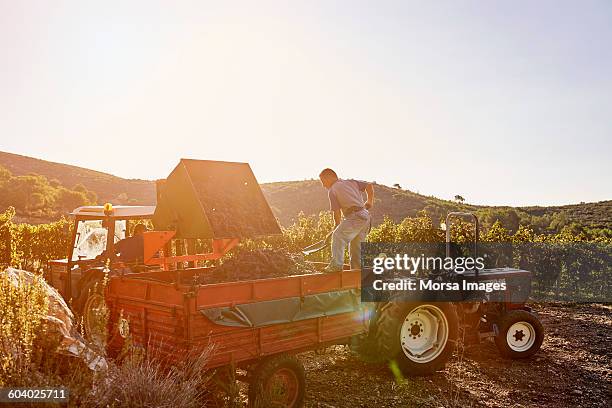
{"x":91,"y":282}
{"x":417,"y":338}
{"x":92,"y":309}
{"x":520,"y":334}
{"x":278,"y":381}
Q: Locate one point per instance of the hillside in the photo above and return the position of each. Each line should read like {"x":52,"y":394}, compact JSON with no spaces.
{"x":288,"y":199}
{"x":597,"y":215}
{"x":106,"y":186}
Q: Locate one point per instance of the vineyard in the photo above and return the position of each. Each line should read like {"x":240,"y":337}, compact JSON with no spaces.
{"x":566,"y":266}
{"x":31,"y":246}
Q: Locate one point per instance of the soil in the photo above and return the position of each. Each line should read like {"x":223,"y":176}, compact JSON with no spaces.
{"x":231,"y":199}
{"x":573,"y":369}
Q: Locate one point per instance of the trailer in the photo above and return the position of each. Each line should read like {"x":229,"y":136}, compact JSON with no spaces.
{"x":253,"y":326}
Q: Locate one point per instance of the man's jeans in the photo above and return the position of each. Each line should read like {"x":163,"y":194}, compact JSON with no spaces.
{"x":351,"y":231}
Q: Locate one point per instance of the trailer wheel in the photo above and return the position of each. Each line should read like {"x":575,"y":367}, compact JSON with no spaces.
{"x":278,"y":381}
{"x":418,"y":337}
{"x":520,"y":334}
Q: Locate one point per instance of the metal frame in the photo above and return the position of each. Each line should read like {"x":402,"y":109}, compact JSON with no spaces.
{"x":154,"y":242}
{"x":220,"y":247}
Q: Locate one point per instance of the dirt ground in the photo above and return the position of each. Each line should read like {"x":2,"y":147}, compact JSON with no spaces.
{"x":573,"y":369}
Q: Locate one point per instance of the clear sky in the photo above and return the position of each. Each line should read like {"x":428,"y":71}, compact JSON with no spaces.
{"x":506,"y":103}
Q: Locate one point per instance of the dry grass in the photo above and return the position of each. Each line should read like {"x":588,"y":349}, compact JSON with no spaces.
{"x":144,"y":381}
{"x":28,"y":358}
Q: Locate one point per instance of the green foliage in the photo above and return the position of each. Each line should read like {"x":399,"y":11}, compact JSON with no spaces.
{"x":572,"y":264}
{"x":6,"y":243}
{"x":575,"y":261}
{"x":34,"y":196}
{"x":30,"y":246}
{"x":308,"y":230}
{"x":107,"y":187}
{"x":24,"y":305}
{"x":497,"y":233}
{"x":37,"y":244}
{"x":305,"y":231}
{"x":411,"y":229}
{"x":507,"y":217}
{"x":385,"y":232}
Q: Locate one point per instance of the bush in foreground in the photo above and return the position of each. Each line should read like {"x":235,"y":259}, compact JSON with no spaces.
{"x":29,"y":357}
{"x":24,"y":304}
{"x":140,"y":381}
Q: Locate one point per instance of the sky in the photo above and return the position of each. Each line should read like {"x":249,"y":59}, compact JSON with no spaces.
{"x":501,"y":102}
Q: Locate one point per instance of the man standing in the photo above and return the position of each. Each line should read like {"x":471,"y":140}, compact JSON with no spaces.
{"x":345,"y":199}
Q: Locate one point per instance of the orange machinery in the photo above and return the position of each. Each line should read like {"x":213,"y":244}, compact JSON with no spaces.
{"x":159,"y":305}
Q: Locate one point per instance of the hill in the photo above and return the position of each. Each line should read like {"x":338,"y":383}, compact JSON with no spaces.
{"x":289,"y":198}
{"x":107,"y":187}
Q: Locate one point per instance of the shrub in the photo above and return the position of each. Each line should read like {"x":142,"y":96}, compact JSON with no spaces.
{"x":141,"y":381}
{"x":24,"y":305}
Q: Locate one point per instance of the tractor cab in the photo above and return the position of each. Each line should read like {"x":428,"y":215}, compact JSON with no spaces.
{"x":91,"y":243}
{"x":95,"y":224}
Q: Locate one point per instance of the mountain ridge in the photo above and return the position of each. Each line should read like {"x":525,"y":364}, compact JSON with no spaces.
{"x":288,"y":198}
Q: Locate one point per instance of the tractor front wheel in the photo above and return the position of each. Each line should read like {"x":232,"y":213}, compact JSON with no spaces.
{"x":278,"y":381}
{"x":520,"y":334}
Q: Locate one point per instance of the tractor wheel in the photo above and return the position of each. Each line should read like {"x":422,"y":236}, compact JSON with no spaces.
{"x":91,"y":282}
{"x":520,"y":334}
{"x":278,"y":381}
{"x":364,"y":346}
{"x":91,"y":306}
{"x":418,"y":337}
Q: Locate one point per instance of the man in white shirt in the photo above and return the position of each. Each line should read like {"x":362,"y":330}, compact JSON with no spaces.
{"x":351,"y":217}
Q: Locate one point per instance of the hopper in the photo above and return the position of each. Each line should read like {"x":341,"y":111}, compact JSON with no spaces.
{"x":213,"y":199}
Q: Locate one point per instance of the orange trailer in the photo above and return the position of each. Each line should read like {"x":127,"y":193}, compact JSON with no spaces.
{"x":175,"y":318}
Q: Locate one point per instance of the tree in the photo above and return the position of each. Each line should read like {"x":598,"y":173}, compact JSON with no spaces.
{"x":80,"y":188}
{"x":459,"y":199}
{"x":28,"y":193}
{"x":68,"y":200}
{"x":396,"y":185}
{"x":34,"y":195}
{"x":91,"y":197}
